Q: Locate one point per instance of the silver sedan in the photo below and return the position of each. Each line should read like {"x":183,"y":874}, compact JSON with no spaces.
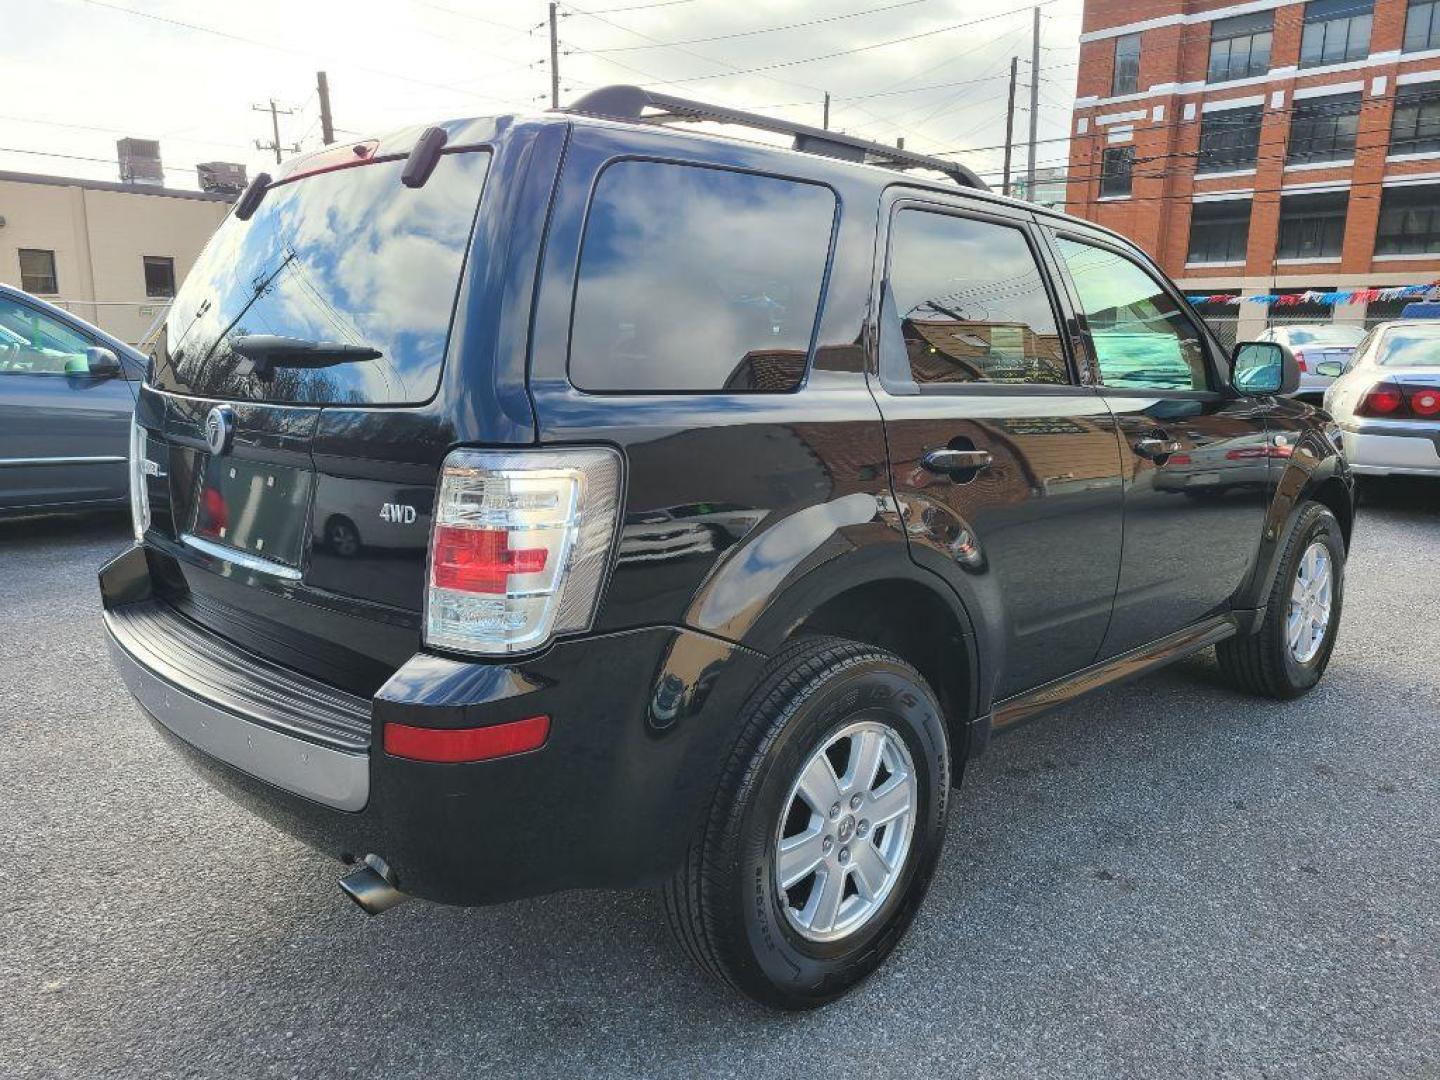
{"x":1387,"y":402}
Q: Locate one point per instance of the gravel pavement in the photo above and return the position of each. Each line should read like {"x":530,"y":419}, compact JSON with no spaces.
{"x":1168,"y":879}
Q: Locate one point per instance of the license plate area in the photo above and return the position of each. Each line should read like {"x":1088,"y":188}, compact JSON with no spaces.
{"x":254,"y":507}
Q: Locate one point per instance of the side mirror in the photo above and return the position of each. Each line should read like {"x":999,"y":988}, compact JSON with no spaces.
{"x":101,"y":363}
{"x":1331,"y":369}
{"x":1263,"y":368}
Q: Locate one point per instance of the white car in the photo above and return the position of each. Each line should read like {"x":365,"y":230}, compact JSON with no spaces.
{"x":1387,"y":402}
{"x":1315,"y":344}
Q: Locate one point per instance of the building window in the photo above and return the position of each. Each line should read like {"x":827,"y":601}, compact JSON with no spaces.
{"x":1422,"y":26}
{"x":1127,"y":65}
{"x":1219,"y":231}
{"x":1323,"y":129}
{"x":1409,"y":221}
{"x":159,"y":275}
{"x":1312,"y":226}
{"x":1115,"y":169}
{"x":37,"y":271}
{"x":1229,"y":139}
{"x":1240,"y":47}
{"x":1416,"y":127}
{"x":1335,"y":31}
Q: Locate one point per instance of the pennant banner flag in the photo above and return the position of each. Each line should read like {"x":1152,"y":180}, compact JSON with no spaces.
{"x":1357,"y":296}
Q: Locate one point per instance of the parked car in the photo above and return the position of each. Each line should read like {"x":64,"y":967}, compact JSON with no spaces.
{"x":1314,"y":345}
{"x":711,"y":595}
{"x":67,"y":390}
{"x":1387,"y":403}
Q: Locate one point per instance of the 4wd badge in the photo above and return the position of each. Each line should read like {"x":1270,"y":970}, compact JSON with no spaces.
{"x":397,"y":513}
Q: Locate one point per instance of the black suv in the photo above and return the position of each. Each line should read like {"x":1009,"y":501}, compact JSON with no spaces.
{"x":527,"y":504}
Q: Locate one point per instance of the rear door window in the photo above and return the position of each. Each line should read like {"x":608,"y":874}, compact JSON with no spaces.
{"x":698,"y":279}
{"x":350,"y":257}
{"x":971,"y":303}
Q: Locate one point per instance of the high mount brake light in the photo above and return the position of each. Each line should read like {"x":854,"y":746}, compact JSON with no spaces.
{"x":520,"y":546}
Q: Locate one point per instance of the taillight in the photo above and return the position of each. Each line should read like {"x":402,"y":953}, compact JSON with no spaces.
{"x":1382,"y":399}
{"x":1425,"y":401}
{"x":139,"y":494}
{"x":1300,"y":360}
{"x":519,"y":547}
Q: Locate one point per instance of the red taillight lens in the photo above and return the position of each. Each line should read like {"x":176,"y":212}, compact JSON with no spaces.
{"x":1384,"y":399}
{"x":466,"y":744}
{"x":1300,"y":361}
{"x":481,"y":560}
{"x":1425,"y":401}
{"x":1178,"y":459}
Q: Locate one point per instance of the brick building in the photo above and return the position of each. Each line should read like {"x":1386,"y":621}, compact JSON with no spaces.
{"x":1264,"y":147}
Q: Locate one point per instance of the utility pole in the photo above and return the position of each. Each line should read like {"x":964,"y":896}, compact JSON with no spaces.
{"x":1034,"y":105}
{"x":554,"y":60}
{"x":327,"y":123}
{"x":274,"y":144}
{"x":826,"y":122}
{"x":1010,"y":122}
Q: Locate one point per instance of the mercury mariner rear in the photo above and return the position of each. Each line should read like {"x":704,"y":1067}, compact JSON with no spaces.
{"x":320,"y":575}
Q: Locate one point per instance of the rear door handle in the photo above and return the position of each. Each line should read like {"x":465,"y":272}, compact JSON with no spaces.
{"x":1153,"y":448}
{"x":953,"y":461}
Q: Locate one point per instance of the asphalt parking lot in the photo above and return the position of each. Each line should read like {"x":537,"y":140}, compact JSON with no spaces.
{"x":1168,"y":879}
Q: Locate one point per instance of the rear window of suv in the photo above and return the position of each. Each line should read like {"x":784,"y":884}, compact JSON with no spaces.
{"x":349,"y":257}
{"x":698,"y":279}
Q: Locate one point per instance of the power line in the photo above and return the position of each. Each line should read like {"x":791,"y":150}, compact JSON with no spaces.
{"x":779,"y":64}
{"x":763,"y":30}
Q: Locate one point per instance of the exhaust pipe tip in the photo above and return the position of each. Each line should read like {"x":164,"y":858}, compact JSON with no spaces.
{"x":372,"y":886}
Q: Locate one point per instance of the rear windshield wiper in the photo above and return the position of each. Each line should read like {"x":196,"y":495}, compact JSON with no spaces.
{"x":263,"y":353}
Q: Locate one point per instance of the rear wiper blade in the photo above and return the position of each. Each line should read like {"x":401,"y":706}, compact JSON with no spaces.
{"x":263,"y":353}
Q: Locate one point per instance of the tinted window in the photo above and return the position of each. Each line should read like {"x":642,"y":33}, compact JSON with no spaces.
{"x":1229,"y":139}
{"x":972,"y":306}
{"x":1219,"y":231}
{"x":1409,"y":221}
{"x":351,"y":257}
{"x":1312,"y":226}
{"x":1335,"y":31}
{"x":694,"y":278}
{"x":1116,"y":167}
{"x":1415,"y":128}
{"x":1240,"y":47}
{"x":35,"y":344}
{"x":1141,"y":336}
{"x":1127,"y":64}
{"x":1323,"y":129}
{"x":1422,"y":26}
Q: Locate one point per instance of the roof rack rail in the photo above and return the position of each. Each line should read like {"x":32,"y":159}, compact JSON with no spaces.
{"x":621,"y":102}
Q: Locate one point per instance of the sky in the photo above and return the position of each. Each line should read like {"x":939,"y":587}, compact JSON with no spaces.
{"x":75,"y":75}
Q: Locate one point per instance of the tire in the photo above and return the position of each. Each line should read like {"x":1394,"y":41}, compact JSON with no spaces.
{"x":725,"y":906}
{"x":1265,"y":662}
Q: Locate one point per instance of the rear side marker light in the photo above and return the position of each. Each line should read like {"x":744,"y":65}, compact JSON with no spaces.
{"x":520,"y":547}
{"x":452,"y":745}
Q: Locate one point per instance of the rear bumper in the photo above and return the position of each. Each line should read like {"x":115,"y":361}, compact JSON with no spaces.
{"x":640,"y":722}
{"x":255,"y":741}
{"x":1373,"y":451}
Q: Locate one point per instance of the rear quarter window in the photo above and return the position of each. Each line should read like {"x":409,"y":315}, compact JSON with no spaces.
{"x":698,"y":279}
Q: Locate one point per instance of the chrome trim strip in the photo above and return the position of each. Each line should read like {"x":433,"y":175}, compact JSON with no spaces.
{"x":17,"y":462}
{"x":240,"y":558}
{"x":319,"y":773}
